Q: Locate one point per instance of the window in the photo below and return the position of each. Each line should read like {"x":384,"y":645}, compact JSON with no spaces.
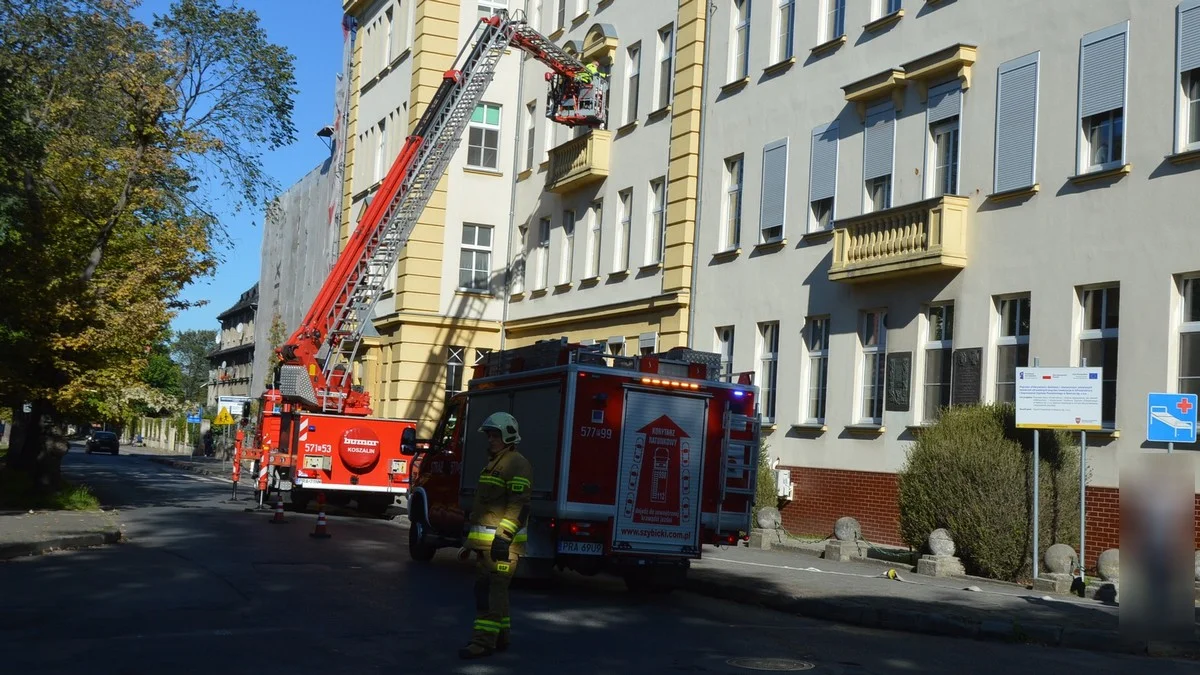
{"x":530,"y":133}
{"x":521,"y":261}
{"x":774,"y":192}
{"x":942,"y":115}
{"x":1102,"y":66}
{"x":621,"y":245}
{"x":616,"y":345}
{"x":543,"y":253}
{"x":822,"y":176}
{"x":768,"y":368}
{"x":1188,"y":64}
{"x":1098,"y":342}
{"x":568,"y":250}
{"x":387,"y":41}
{"x":381,"y":153}
{"x":878,"y":143}
{"x":666,"y":53}
{"x":785,"y":21}
{"x":489,"y":8}
{"x":882,"y":8}
{"x":816,"y":341}
{"x":633,"y":61}
{"x":481,"y":355}
{"x":647,"y":343}
{"x":560,"y":20}
{"x":939,"y":352}
{"x":725,"y":349}
{"x":658,"y":213}
{"x":454,"y":370}
{"x":1016,"y":123}
{"x":1012,"y":345}
{"x":732,"y":225}
{"x":739,"y":58}
{"x":1189,"y":337}
{"x":483,"y":139}
{"x":872,"y":336}
{"x":475,"y":259}
{"x":833,"y":24}
{"x":594,"y":239}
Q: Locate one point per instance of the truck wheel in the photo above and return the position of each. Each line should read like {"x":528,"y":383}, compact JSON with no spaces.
{"x":417,"y":548}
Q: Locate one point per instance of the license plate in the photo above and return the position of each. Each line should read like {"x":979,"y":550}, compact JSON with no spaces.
{"x":580,"y":548}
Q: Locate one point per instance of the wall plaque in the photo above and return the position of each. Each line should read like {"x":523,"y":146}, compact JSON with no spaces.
{"x":966,"y":380}
{"x":899,"y":377}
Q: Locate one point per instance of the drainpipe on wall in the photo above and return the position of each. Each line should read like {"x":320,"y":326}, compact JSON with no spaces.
{"x":712,"y":8}
{"x":512,"y":192}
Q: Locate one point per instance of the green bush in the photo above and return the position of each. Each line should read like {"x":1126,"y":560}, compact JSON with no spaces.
{"x":765,"y":486}
{"x":971,"y":473}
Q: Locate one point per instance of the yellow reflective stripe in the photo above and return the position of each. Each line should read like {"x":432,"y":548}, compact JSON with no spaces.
{"x":519,"y":484}
{"x":506,"y":622}
{"x":487,"y":626}
{"x":501,"y":567}
{"x":510,"y":525}
{"x":491,"y":480}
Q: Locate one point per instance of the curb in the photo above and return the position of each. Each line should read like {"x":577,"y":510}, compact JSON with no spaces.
{"x":92,"y":540}
{"x":713,"y":584}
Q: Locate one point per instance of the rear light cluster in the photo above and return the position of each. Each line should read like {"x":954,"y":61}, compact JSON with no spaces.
{"x":654,"y":381}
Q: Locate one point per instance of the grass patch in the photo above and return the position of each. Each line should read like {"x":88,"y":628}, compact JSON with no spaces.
{"x":17,"y":492}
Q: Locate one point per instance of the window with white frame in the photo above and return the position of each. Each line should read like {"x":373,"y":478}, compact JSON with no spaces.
{"x":1016,"y":123}
{"x":1102,"y":92}
{"x":530,"y":133}
{"x":616,"y":345}
{"x":739,"y":42}
{"x":768,"y":371}
{"x":521,"y":261}
{"x":381,"y":154}
{"x":731,"y":225}
{"x":475,"y":258}
{"x":404,"y":35}
{"x":595,"y":232}
{"x":481,"y":355}
{"x":567,"y":262}
{"x":822,"y":177}
{"x":387,"y":40}
{"x":658,"y":221}
{"x":543,"y":253}
{"x":489,"y":8}
{"x":785,"y":22}
{"x":882,"y":8}
{"x":939,"y":353}
{"x":647,"y":343}
{"x":1189,"y":336}
{"x":773,"y":209}
{"x":942,"y":116}
{"x":725,"y":349}
{"x":549,"y":137}
{"x":454,"y":370}
{"x":1188,"y":65}
{"x":621,"y":245}
{"x":666,"y":57}
{"x":633,"y":76}
{"x":816,"y":343}
{"x":483,"y":137}
{"x":1012,"y":345}
{"x":872,"y":338}
{"x":878,"y":155}
{"x":833,"y":20}
{"x":560,"y":19}
{"x":1098,"y":338}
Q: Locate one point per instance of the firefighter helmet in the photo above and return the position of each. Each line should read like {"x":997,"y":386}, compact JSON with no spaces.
{"x":504,"y":423}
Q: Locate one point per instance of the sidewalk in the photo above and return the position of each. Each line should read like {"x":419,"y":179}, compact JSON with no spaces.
{"x":860,"y":593}
{"x":34,"y":533}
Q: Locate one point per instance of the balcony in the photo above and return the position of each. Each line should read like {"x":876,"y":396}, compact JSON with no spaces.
{"x":927,"y":236}
{"x":579,"y":162}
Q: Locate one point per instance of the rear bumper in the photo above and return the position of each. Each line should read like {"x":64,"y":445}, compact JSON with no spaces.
{"x":305,"y":484}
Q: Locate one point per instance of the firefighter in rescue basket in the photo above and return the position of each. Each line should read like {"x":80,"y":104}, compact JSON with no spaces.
{"x":496,"y":533}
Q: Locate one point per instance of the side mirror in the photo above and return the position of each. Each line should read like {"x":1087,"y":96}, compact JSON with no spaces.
{"x":408,"y":442}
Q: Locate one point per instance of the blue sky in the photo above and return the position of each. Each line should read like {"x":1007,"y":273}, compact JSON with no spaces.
{"x":312,"y":31}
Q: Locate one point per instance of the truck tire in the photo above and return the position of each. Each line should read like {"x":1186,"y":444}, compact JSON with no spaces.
{"x":417,"y":548}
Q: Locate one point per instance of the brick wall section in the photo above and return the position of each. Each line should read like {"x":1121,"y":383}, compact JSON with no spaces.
{"x":1103,"y":523}
{"x":822,"y":496}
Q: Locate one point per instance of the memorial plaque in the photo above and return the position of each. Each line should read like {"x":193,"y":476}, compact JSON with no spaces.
{"x":965,"y":381}
{"x":899,"y":376}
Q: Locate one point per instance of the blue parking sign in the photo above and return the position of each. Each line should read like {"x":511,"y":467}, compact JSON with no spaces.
{"x":1171,"y":418}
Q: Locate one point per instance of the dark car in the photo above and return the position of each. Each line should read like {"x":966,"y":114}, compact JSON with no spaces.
{"x":103,"y":441}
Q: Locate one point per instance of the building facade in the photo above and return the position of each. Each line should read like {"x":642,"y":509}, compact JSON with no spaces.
{"x":231,"y":363}
{"x":906,"y":200}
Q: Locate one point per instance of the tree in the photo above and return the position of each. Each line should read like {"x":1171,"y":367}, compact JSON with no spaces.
{"x":276,"y":337}
{"x":190,"y":349}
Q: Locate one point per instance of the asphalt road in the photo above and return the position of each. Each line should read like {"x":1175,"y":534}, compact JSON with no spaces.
{"x":202,"y":586}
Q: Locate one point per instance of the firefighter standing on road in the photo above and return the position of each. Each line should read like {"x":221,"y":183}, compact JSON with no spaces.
{"x":496,"y":533}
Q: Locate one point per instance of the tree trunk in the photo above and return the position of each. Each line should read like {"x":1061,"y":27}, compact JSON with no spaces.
{"x":38,"y":444}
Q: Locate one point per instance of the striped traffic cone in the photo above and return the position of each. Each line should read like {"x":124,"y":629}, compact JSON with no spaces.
{"x":320,"y":532}
{"x":278,"y":519}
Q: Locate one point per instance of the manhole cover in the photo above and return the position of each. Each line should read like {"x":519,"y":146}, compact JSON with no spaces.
{"x":778,"y":665}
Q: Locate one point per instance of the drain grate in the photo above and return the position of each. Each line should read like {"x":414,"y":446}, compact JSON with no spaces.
{"x":775,"y":665}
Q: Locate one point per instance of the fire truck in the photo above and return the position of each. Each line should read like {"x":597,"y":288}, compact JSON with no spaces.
{"x":316,"y":431}
{"x":637,"y":461}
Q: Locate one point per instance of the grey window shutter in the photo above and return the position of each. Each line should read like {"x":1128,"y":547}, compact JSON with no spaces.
{"x":1189,"y":35}
{"x":822,"y":177}
{"x":1102,"y":71}
{"x":774,"y":185}
{"x":944,"y":102}
{"x":1016,"y":122}
{"x":877,"y":143}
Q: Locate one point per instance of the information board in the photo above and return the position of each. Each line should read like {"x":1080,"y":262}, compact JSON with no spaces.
{"x":1059,"y":398}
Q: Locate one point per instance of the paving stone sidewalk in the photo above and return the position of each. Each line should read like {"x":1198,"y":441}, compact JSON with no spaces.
{"x":860,"y":593}
{"x":33,"y":533}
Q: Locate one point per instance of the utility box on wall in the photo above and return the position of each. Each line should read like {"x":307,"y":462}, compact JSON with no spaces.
{"x":783,"y":483}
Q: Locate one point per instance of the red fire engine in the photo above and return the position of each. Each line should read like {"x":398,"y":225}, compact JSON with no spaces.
{"x":316,"y":431}
{"x":637,"y":461}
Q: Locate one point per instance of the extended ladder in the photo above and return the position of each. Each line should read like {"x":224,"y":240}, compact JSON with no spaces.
{"x":739,"y":464}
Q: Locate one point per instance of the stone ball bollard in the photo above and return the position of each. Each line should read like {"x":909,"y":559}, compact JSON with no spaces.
{"x":847,"y":529}
{"x":940,"y":542}
{"x":768,"y":518}
{"x":1109,"y":564}
{"x":1060,"y":559}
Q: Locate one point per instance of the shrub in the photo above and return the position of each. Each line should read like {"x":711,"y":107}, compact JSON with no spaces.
{"x":765,"y":487}
{"x":971,"y":473}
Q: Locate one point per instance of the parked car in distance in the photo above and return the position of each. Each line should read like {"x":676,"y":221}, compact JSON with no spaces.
{"x":103,"y":441}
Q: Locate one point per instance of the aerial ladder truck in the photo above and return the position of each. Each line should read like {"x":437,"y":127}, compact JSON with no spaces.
{"x":315,"y":430}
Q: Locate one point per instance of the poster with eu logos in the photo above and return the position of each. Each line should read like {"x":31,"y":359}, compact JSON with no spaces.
{"x":1059,"y":398}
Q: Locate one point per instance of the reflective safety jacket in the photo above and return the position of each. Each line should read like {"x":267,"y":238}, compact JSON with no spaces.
{"x":501,"y":502}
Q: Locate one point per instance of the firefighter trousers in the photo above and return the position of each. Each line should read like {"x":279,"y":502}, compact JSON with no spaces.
{"x":492,"y":579}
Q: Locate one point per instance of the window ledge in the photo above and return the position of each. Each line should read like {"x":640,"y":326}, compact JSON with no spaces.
{"x":657,"y":115}
{"x":543,"y":166}
{"x":652,"y":267}
{"x":516,"y":297}
{"x":581,"y":17}
{"x":828,"y":47}
{"x":770,"y":246}
{"x":735,"y":86}
{"x":524,"y":174}
{"x":817,"y":236}
{"x":1027,"y":191}
{"x":727,"y":255}
{"x":602,"y":4}
{"x":1185,"y":156}
{"x":563,"y":287}
{"x":557,"y":33}
{"x":538,"y":292}
{"x":884,"y":21}
{"x":768,"y":427}
{"x":483,"y":171}
{"x":866,"y":428}
{"x":588,"y":282}
{"x":781,"y":67}
{"x":473,"y":292}
{"x":1091,"y":176}
{"x":617,"y":275}
{"x":621,"y":131}
{"x":810,"y":427}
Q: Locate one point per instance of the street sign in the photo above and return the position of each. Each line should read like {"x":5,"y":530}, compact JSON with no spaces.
{"x":234,"y":404}
{"x":1171,"y":418}
{"x":223,"y":418}
{"x":193,"y":418}
{"x":1059,"y":398}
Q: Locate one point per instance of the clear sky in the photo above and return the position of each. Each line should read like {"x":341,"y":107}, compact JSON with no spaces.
{"x":312,"y":31}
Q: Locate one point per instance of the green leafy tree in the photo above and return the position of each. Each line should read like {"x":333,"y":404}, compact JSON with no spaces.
{"x":190,"y":349}
{"x":276,"y":337}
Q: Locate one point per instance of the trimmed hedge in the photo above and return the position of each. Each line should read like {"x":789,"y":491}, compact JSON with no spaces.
{"x":972,"y":474}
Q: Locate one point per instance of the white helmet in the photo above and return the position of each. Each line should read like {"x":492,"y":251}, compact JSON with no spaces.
{"x":504,"y":423}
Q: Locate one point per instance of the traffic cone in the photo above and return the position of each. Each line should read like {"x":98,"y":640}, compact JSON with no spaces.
{"x":320,"y":532}
{"x":278,"y":519}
